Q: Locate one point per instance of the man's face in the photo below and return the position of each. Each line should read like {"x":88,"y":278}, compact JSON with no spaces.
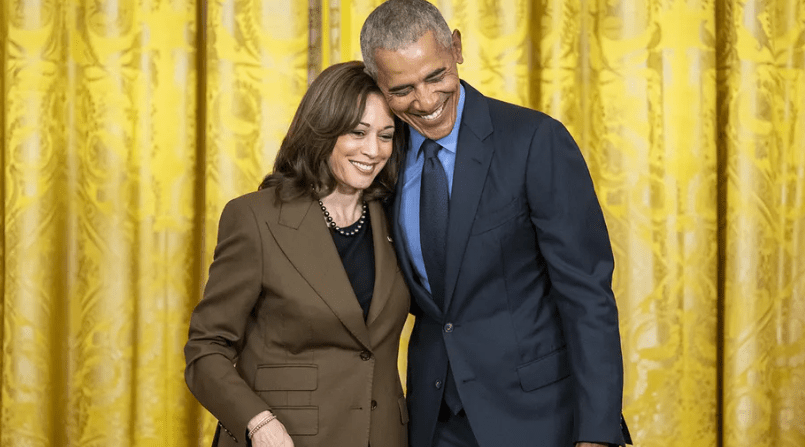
{"x":420,"y":83}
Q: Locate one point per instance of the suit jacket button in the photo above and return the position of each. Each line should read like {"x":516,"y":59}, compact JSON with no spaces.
{"x":366,"y":355}
{"x":374,"y":404}
{"x":438,"y":384}
{"x":448,"y":327}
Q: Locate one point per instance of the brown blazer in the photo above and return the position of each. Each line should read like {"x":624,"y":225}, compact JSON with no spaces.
{"x":279,"y":306}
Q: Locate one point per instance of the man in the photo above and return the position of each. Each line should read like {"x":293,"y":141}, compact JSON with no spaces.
{"x":502,"y":241}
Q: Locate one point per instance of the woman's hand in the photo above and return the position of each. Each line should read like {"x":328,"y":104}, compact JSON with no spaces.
{"x":272,"y":434}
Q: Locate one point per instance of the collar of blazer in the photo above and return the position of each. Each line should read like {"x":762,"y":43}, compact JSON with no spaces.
{"x":302,"y":235}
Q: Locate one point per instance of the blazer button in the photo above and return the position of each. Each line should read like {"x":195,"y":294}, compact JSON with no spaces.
{"x":448,"y":327}
{"x":438,"y":384}
{"x":366,"y":355}
{"x":374,"y":404}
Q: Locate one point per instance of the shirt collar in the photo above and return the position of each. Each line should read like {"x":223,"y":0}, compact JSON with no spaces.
{"x":449,"y":142}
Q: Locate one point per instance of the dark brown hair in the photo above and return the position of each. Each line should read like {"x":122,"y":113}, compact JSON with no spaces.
{"x":332,"y":106}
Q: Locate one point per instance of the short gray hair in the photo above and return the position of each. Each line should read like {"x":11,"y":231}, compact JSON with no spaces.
{"x":396,"y":24}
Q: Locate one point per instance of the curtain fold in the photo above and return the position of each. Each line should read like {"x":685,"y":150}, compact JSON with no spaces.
{"x":648,"y":127}
{"x":341,"y":27}
{"x":101,"y":241}
{"x":126,"y":127}
{"x":35,"y":223}
{"x":762,"y":91}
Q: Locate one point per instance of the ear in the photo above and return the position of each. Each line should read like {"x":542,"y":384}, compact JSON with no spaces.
{"x":457,"y":46}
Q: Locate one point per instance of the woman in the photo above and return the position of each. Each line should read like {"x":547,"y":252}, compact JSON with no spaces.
{"x":304,"y":295}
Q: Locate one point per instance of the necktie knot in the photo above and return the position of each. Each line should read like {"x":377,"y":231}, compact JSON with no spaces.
{"x":431,"y":148}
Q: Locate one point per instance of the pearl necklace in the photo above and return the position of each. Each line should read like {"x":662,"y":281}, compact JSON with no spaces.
{"x":331,"y":222}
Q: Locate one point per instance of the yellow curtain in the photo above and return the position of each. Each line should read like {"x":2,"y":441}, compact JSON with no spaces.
{"x":762,"y":110}
{"x":126,"y":126}
{"x":101,"y":239}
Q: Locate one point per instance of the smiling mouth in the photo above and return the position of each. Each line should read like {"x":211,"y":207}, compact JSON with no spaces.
{"x":435,"y":113}
{"x":363,"y":167}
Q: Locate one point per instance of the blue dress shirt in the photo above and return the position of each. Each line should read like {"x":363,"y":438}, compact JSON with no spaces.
{"x":412,"y":181}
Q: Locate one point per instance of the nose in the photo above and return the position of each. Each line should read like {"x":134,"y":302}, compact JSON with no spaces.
{"x":370,"y":147}
{"x":427,"y":99}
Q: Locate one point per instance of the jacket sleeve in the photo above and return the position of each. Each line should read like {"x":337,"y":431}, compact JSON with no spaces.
{"x":218,"y":322}
{"x":573,"y":238}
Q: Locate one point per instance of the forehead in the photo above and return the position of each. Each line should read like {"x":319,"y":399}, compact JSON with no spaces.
{"x":413,"y":62}
{"x":376,"y":108}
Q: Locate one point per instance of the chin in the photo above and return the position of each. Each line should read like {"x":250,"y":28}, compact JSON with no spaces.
{"x":360,"y":187}
{"x":436,"y":134}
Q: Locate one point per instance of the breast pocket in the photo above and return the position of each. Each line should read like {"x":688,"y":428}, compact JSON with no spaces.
{"x":491,"y":217}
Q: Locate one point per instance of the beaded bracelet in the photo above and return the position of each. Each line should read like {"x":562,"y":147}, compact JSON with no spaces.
{"x":261,"y":424}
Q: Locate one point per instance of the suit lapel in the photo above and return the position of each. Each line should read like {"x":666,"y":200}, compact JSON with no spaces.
{"x":472,"y":163}
{"x":305,"y":240}
{"x":385,"y":261}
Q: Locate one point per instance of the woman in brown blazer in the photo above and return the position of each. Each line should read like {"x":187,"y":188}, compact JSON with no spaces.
{"x":295,"y":341}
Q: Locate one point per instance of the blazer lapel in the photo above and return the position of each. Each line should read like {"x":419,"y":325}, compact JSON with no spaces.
{"x":385,"y":261}
{"x":305,"y":240}
{"x":472,"y":163}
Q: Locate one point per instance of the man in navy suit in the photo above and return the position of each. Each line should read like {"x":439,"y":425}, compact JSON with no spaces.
{"x":505,"y":249}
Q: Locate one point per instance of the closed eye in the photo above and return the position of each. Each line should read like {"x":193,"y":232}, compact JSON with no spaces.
{"x":436,"y":76}
{"x":400,"y":93}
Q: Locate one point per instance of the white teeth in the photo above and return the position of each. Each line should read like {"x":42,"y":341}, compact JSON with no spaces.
{"x":434,"y":114}
{"x":362,"y":166}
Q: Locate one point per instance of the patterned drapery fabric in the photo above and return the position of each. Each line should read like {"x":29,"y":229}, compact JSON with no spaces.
{"x":127,"y":125}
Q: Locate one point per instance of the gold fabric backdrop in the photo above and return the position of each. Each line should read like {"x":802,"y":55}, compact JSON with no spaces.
{"x":126,"y":126}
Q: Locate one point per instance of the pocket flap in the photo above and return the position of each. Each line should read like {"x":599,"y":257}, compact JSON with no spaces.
{"x":487,"y":220}
{"x":298,"y":421}
{"x":545,"y":370}
{"x":286,"y":378}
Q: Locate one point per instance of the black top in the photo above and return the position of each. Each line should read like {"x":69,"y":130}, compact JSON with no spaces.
{"x":358,"y":256}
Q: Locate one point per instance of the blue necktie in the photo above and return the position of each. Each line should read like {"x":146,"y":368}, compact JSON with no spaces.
{"x":433,"y":200}
{"x":433,"y":204}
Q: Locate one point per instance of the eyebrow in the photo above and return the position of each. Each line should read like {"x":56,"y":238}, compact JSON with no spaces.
{"x":434,"y":74}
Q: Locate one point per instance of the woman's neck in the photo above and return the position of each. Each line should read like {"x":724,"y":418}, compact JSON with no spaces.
{"x":344,"y":208}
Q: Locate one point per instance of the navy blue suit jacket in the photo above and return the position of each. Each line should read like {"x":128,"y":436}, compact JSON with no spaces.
{"x":531,"y":327}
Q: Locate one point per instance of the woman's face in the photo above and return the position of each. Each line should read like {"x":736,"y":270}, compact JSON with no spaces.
{"x":360,"y":154}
